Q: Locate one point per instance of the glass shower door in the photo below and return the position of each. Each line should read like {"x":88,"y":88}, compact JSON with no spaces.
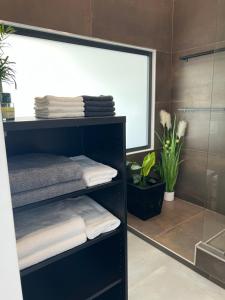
{"x":214,"y":218}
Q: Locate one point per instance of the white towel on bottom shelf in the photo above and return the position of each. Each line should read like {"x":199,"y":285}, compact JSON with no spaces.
{"x":94,"y":172}
{"x":45,"y":227}
{"x":97,"y":219}
{"x":51,"y":250}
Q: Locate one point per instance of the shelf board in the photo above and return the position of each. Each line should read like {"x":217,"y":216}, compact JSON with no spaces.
{"x":70,"y":195}
{"x":105,"y":289}
{"x":60,"y":256}
{"x":34,"y":123}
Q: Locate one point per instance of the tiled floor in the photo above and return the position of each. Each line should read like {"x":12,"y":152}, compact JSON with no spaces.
{"x":154,"y":276}
{"x":180,"y":226}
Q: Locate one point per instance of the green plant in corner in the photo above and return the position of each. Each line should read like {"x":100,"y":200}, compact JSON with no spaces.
{"x":7,"y":72}
{"x":172,"y":141}
{"x":140,"y":173}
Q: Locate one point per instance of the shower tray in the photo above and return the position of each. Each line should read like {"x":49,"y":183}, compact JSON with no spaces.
{"x":210,"y":256}
{"x":217,"y":243}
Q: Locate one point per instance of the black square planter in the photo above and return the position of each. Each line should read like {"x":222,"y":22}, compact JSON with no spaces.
{"x":145,"y":202}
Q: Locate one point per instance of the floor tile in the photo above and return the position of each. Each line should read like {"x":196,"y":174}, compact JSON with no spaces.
{"x":173,"y":213}
{"x":180,"y":226}
{"x":155,"y":276}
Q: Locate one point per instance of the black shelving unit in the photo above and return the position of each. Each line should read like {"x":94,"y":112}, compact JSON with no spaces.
{"x":96,"y":269}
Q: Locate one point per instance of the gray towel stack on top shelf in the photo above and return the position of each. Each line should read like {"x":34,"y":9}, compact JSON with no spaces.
{"x":59,"y":107}
{"x":39,"y":176}
{"x":101,"y":106}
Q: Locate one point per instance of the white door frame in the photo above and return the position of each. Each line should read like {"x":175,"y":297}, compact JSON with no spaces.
{"x":10,"y":286}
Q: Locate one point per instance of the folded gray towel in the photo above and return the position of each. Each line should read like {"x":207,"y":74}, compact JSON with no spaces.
{"x":48,"y":192}
{"x":36,"y":170}
{"x":101,"y":103}
{"x":97,"y":98}
{"x":99,"y":108}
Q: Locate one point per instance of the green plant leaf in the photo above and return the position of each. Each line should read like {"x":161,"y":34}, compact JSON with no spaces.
{"x":148,"y":163}
{"x":135,"y":167}
{"x":7,"y":72}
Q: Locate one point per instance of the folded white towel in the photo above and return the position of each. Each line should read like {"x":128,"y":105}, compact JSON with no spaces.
{"x":41,"y":227}
{"x":100,"y":180}
{"x":59,"y":109}
{"x":60,"y":100}
{"x":52,"y":250}
{"x":56,"y":105}
{"x":59,"y":115}
{"x":94,"y":172}
{"x":96,"y":218}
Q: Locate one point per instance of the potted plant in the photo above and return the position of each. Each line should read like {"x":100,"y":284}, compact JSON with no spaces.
{"x":7,"y":73}
{"x":145,"y":190}
{"x":172,"y":141}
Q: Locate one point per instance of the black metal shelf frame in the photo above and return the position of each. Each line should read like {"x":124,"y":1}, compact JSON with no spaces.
{"x":96,"y":269}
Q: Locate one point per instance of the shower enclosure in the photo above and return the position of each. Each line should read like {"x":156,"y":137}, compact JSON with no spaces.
{"x":202,"y":178}
{"x":193,"y":226}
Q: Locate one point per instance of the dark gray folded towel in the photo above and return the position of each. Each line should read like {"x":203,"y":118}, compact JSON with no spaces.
{"x":100,"y":103}
{"x":94,"y":98}
{"x":99,"y":114}
{"x":48,"y":192}
{"x":99,"y":108}
{"x":36,"y":170}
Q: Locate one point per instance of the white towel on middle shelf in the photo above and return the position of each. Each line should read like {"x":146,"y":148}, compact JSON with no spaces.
{"x":44,"y":226}
{"x":94,"y":172}
{"x":97,"y":219}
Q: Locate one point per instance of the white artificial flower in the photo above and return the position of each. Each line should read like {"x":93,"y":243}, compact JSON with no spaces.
{"x":165,"y":119}
{"x":168,"y":120}
{"x":181,"y":128}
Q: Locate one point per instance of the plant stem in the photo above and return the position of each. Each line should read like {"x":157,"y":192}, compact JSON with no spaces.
{"x":1,"y":89}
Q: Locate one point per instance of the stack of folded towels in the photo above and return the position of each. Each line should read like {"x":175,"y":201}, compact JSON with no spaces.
{"x":57,"y":227}
{"x":40,"y":176}
{"x":59,"y":107}
{"x":51,"y":107}
{"x":99,"y":106}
